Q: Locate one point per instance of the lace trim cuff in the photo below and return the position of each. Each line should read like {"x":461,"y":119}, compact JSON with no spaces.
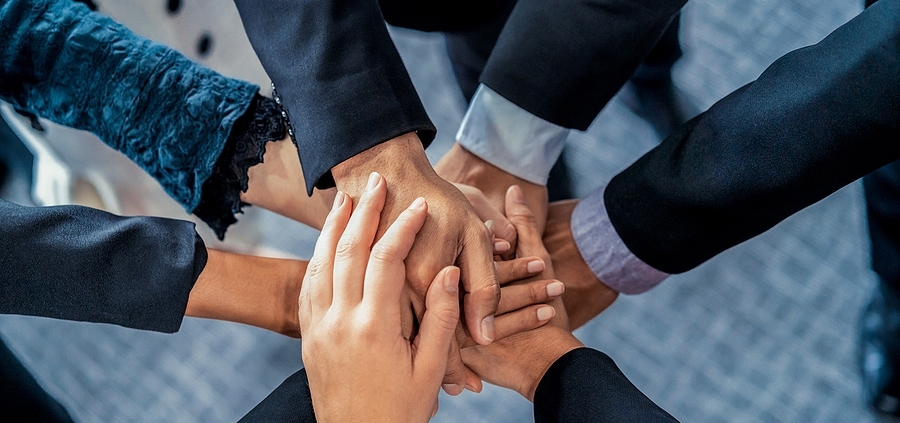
{"x":245,"y":148}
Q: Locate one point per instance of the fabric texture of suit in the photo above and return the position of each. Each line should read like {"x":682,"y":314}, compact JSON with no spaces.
{"x":343,"y":84}
{"x":815,"y":120}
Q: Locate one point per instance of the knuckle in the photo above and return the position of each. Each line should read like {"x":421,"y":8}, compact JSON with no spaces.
{"x":386,"y":253}
{"x":346,"y":247}
{"x":317,"y":267}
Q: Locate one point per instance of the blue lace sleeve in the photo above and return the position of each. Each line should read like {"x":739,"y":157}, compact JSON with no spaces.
{"x":80,"y":69}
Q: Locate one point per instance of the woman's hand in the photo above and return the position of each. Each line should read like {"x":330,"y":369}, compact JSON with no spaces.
{"x":359,"y":364}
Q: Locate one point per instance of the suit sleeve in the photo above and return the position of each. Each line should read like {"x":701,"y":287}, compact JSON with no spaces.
{"x":564,"y":60}
{"x":289,"y":403}
{"x":341,"y":79}
{"x":585,"y":385}
{"x":77,"y":263}
{"x":816,"y":120}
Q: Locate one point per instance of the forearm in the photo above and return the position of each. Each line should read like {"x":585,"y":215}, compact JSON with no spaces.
{"x":815,"y":120}
{"x":256,"y":291}
{"x":585,"y":385}
{"x":80,"y":69}
{"x":590,"y":62}
{"x":344,"y":86}
{"x":77,"y":263}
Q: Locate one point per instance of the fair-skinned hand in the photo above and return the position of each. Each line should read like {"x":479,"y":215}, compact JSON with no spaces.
{"x":359,"y":364}
{"x":519,"y":362}
{"x":586,"y":296}
{"x":462,"y":167}
{"x":451,"y":235}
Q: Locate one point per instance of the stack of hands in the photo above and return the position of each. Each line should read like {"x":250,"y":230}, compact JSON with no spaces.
{"x":422,"y":293}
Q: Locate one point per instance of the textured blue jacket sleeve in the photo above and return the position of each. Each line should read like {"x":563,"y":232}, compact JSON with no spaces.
{"x":77,"y":263}
{"x":80,"y":69}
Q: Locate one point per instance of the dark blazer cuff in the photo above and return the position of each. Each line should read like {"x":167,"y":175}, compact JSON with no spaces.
{"x":585,"y":385}
{"x":289,"y":403}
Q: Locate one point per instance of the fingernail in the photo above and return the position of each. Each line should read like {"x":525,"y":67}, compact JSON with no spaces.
{"x":518,"y":195}
{"x":338,"y":200}
{"x":535,"y":266}
{"x":451,"y":280}
{"x":555,"y":289}
{"x":452,"y":388}
{"x":487,"y":328}
{"x":373,"y":181}
{"x":501,"y":246}
{"x":545,"y":313}
{"x":470,"y":387}
{"x":418,"y":202}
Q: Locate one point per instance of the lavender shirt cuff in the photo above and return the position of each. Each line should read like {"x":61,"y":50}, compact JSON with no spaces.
{"x":605,"y":252}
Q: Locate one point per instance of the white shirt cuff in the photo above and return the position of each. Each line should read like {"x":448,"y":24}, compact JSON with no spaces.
{"x":507,"y":136}
{"x":603,"y":250}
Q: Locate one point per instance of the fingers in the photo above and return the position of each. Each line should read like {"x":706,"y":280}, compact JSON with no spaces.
{"x":386,"y":273}
{"x":520,"y":268}
{"x":352,"y":254}
{"x":486,"y":211}
{"x":514,"y":297}
{"x":437,"y":329}
{"x":317,"y":285}
{"x":523,"y":320}
{"x":521,"y":216}
{"x":482,"y":291}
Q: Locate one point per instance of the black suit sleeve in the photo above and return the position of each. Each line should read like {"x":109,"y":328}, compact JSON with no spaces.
{"x":340,"y":76}
{"x":77,"y":263}
{"x":289,"y":403}
{"x":564,"y":60}
{"x":815,"y":120}
{"x":585,"y":385}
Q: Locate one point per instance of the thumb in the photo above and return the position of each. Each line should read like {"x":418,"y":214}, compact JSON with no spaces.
{"x":439,"y":323}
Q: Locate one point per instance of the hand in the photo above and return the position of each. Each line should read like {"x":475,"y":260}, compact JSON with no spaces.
{"x":520,"y":361}
{"x":452,"y":234}
{"x":359,"y":364}
{"x":586,"y":296}
{"x":462,"y":167}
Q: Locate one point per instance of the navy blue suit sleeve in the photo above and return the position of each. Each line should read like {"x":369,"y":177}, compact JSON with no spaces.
{"x":564,"y":60}
{"x":585,"y":385}
{"x":816,"y":120}
{"x":341,"y":79}
{"x":77,"y":263}
{"x":289,"y":403}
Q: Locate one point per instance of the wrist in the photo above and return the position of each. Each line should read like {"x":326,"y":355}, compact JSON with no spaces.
{"x":394,"y":159}
{"x":554,"y":345}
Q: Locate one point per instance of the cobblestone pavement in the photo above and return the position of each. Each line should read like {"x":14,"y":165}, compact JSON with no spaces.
{"x":765,"y":332}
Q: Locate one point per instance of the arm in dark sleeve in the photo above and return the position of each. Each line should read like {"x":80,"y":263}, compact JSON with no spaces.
{"x":585,"y":385}
{"x":564,"y":60}
{"x":289,"y":403}
{"x":77,"y":263}
{"x":816,"y":120}
{"x":81,"y":69}
{"x":341,"y":79}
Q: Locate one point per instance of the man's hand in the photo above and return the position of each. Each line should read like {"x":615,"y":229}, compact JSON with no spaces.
{"x":461,"y":166}
{"x":586,"y":296}
{"x":519,"y":362}
{"x":452,"y":233}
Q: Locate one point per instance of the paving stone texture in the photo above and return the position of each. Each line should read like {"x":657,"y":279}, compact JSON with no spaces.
{"x":765,"y":332}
